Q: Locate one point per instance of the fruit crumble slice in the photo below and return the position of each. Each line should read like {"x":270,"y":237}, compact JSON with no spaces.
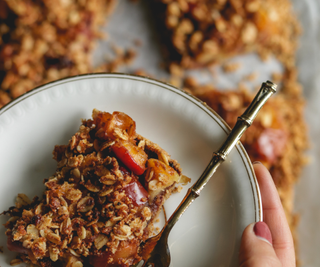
{"x":100,"y":204}
{"x":199,"y":33}
{"x":45,"y":40}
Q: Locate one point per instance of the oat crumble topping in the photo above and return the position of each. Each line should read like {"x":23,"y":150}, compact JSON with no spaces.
{"x":101,"y":202}
{"x":199,"y":33}
{"x":44,"y":40}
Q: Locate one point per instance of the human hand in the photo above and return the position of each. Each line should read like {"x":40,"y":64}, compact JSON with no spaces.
{"x":268,"y":243}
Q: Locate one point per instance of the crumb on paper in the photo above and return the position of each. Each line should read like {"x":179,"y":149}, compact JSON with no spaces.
{"x":251,"y":77}
{"x":231,"y":67}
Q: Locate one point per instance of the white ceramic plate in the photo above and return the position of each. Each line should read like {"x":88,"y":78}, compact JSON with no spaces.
{"x":209,"y":232}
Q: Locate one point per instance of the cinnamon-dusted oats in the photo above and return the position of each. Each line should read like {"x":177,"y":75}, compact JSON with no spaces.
{"x":95,"y":209}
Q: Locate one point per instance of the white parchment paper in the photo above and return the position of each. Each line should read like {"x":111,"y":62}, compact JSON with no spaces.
{"x":132,"y":22}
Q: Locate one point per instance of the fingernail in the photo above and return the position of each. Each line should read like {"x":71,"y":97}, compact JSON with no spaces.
{"x":262,"y":231}
{"x":256,"y":162}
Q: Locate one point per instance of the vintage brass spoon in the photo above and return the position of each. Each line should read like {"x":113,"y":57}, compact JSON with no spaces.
{"x":155,"y":251}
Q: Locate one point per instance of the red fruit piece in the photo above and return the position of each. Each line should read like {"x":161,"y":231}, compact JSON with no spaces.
{"x":270,"y":144}
{"x":132,"y":156}
{"x":126,"y":250}
{"x":137,"y":193}
{"x":16,"y":246}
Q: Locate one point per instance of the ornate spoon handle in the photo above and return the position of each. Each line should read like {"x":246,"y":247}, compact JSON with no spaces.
{"x":243,"y":122}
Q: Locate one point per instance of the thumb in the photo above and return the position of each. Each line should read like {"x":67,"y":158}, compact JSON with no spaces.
{"x":256,"y":248}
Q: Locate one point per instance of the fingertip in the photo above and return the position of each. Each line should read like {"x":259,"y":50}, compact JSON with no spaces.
{"x":259,"y":168}
{"x":262,"y":231}
{"x":248,"y":229}
{"x":256,"y":248}
{"x":274,"y":216}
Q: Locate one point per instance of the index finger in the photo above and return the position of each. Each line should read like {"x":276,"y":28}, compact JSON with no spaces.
{"x":274,"y":217}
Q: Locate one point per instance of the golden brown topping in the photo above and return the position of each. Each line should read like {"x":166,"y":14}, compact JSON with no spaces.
{"x":41,"y":41}
{"x":203,"y":32}
{"x":160,"y":176}
{"x":95,"y":201}
{"x":117,"y":125}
